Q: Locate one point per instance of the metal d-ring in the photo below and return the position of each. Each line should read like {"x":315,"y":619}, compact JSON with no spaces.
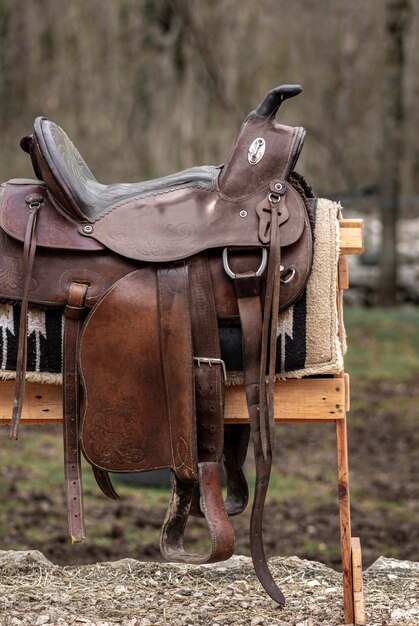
{"x":259,"y":272}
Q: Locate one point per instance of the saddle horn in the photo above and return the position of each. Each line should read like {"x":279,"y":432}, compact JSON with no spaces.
{"x":273,"y":100}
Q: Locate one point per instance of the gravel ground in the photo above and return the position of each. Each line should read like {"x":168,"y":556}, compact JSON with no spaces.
{"x":33,"y":591}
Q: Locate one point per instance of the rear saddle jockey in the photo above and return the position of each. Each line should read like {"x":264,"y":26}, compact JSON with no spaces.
{"x":146,"y":273}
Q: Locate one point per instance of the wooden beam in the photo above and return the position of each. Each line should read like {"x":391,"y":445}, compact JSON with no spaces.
{"x":351,"y":236}
{"x":42,"y":403}
{"x":343,"y":272}
{"x":359,"y":607}
{"x":306,"y":399}
{"x":345,"y":520}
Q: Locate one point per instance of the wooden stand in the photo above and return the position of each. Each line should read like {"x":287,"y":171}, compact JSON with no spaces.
{"x":303,"y":400}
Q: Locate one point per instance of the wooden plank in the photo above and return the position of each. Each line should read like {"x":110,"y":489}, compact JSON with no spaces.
{"x":351,"y":236}
{"x":347,"y":383}
{"x":304,"y":399}
{"x":42,"y":404}
{"x":359,"y":606}
{"x":343,"y":272}
{"x":307,"y":399}
{"x":351,"y":223}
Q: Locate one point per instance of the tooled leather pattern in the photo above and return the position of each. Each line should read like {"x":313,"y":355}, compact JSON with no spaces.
{"x":111,"y":440}
{"x":10,"y":268}
{"x":95,"y":199}
{"x":152,"y":245}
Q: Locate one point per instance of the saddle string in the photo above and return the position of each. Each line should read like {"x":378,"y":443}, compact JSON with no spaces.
{"x":248,"y":289}
{"x":270,"y":321}
{"x":275,"y":251}
{"x":259,"y":334}
{"x":34,"y":202}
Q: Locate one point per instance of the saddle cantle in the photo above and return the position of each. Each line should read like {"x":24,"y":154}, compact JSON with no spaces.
{"x":145,"y":274}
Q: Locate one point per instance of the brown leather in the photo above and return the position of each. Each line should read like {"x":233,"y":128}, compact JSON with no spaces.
{"x":147,"y":259}
{"x":53,"y":272}
{"x":33,"y":202}
{"x":209,"y":383}
{"x":208,"y":373}
{"x":73,"y":315}
{"x":126,"y":424}
{"x":173,"y":529}
{"x":53,"y":230}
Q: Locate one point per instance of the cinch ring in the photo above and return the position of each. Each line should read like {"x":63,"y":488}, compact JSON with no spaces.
{"x":273,"y":198}
{"x":259,"y":272}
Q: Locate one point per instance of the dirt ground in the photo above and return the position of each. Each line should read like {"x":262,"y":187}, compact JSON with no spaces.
{"x":129,"y":593}
{"x":301,"y":513}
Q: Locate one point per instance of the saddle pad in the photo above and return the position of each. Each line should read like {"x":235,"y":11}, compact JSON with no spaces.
{"x":308,"y":339}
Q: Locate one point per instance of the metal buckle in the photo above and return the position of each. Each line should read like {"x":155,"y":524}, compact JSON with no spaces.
{"x":210,"y":361}
{"x":260,"y":271}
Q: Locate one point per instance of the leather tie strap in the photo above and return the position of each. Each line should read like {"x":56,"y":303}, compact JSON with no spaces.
{"x":270,"y":317}
{"x":250,"y":311}
{"x":73,"y":316}
{"x":104,"y":483}
{"x":259,"y":336}
{"x":34,"y":202}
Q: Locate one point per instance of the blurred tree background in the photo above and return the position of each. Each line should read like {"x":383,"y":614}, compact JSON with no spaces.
{"x":148,"y":87}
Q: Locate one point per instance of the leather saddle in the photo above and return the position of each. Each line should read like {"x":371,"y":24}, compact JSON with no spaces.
{"x":145,"y":274}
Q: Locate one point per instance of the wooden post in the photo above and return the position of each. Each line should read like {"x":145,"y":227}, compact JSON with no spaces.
{"x":345,"y":519}
{"x":359,"y":608}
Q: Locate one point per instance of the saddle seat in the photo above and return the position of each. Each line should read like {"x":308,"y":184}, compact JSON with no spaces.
{"x":58,"y":162}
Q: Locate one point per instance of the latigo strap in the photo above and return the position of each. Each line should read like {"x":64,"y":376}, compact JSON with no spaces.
{"x":73,"y":315}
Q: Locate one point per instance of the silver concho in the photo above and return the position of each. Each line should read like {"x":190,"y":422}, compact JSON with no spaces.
{"x":256,"y":151}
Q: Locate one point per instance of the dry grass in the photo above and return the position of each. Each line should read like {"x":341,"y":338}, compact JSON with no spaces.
{"x":131,"y":593}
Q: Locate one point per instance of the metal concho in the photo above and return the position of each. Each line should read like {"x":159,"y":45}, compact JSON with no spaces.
{"x":256,"y":151}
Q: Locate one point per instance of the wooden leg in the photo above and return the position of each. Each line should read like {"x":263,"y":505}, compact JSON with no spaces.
{"x":359,"y":609}
{"x":345,"y":519}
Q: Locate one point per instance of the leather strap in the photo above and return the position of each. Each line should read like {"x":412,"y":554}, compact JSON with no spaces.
{"x":215,"y":441}
{"x":34,"y":202}
{"x":188,"y":497}
{"x":209,"y":394}
{"x":270,"y":317}
{"x":104,"y":483}
{"x":209,"y":384}
{"x":250,"y":311}
{"x":259,"y":335}
{"x":73,"y":318}
{"x":176,"y":360}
